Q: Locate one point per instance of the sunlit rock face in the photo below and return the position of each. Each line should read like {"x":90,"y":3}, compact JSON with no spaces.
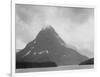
{"x":48,"y":46}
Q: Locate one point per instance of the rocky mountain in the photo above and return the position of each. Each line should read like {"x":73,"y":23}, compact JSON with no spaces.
{"x":49,"y":47}
{"x":88,"y":62}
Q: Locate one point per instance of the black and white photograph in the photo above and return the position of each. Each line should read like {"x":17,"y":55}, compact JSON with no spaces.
{"x":49,"y":38}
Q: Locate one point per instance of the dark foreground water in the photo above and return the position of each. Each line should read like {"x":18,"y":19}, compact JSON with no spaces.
{"x":23,"y":65}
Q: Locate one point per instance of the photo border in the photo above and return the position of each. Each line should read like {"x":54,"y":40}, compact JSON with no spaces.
{"x":13,"y":26}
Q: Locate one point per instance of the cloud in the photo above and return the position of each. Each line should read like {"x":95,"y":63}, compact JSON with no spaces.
{"x":20,"y":44}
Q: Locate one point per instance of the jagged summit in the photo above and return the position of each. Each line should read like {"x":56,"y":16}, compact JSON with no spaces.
{"x":47,"y":46}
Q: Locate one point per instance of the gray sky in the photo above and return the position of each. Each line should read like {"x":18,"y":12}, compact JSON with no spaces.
{"x":74,"y":25}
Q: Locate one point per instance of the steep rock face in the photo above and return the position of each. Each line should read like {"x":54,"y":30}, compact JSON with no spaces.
{"x":48,"y":46}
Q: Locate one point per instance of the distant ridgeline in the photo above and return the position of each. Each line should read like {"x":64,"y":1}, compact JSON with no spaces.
{"x":48,"y":50}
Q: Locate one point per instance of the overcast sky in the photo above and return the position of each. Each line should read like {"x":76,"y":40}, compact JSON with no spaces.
{"x":74,"y":25}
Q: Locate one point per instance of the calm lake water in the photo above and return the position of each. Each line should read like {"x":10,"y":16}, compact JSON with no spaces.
{"x":70,"y":67}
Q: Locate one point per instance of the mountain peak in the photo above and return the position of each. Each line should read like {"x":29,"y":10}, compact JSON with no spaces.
{"x":47,"y":28}
{"x":49,"y":35}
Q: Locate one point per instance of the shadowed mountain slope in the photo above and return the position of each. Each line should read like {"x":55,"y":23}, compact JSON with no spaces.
{"x":88,"y":62}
